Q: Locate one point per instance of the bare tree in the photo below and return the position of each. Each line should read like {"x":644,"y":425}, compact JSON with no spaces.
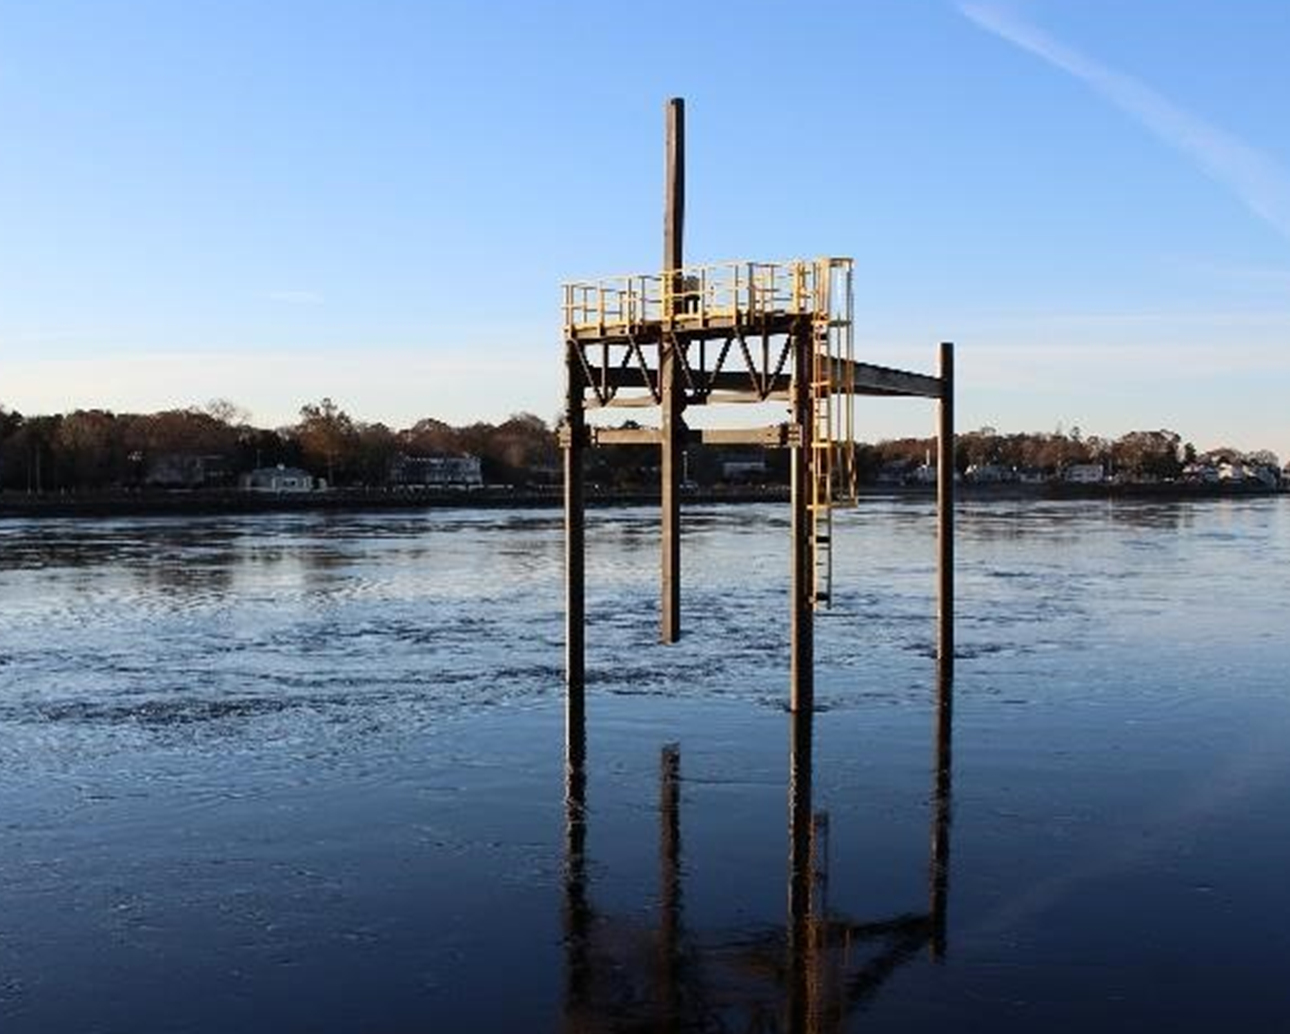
{"x":328,"y":439}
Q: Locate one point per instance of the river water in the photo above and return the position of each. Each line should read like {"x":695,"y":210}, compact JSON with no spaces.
{"x":308,"y":773}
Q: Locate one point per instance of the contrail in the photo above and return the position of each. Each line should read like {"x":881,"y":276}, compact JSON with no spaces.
{"x":1260,"y":184}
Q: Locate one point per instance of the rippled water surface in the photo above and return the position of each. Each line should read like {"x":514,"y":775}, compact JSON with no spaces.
{"x":308,"y":772}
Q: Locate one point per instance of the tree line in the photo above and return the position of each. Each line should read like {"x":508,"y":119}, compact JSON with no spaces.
{"x":96,"y":449}
{"x":1158,"y":455}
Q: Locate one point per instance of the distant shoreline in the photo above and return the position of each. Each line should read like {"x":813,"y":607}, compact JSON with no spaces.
{"x":221,"y":502}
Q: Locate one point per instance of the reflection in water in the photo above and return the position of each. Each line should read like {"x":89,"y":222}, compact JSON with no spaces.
{"x":803,"y":867}
{"x":577,"y":907}
{"x":302,"y":776}
{"x":1029,"y":518}
{"x":804,"y":979}
{"x":940,"y":874}
{"x":669,"y":859}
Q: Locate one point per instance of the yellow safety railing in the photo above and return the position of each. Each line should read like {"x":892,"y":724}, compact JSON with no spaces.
{"x":735,"y":292}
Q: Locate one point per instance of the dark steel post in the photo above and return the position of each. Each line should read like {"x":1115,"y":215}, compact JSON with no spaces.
{"x":673,"y":398}
{"x":945,"y":514}
{"x":941,"y":814}
{"x":575,"y":589}
{"x":940,"y":864}
{"x":802,"y":616}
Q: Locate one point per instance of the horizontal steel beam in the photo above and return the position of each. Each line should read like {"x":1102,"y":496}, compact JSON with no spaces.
{"x":724,"y":380}
{"x":627,"y":402}
{"x":625,"y":435}
{"x":685,"y":329}
{"x":772,"y":437}
{"x":866,"y":379}
{"x":713,"y":399}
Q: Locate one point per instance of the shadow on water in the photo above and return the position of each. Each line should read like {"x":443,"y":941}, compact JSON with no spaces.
{"x":808,"y":976}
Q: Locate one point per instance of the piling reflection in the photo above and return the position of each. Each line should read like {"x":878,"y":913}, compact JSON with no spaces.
{"x":943,"y":768}
{"x":803,"y":868}
{"x":670,"y":964}
{"x":808,"y":977}
{"x":577,"y":905}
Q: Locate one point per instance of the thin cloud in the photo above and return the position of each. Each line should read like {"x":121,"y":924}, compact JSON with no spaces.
{"x":1260,"y":184}
{"x":295,"y":297}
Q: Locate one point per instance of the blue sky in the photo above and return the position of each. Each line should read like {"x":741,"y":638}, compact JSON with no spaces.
{"x":378,"y":200}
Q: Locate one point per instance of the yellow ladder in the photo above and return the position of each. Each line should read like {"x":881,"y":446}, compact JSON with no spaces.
{"x":833,"y":469}
{"x":822,"y":462}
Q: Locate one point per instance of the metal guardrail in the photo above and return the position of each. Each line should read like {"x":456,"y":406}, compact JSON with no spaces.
{"x":736,"y":292}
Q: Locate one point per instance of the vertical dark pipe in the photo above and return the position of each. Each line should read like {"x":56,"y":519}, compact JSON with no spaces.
{"x":940,"y":869}
{"x":577,"y":905}
{"x":945,"y":514}
{"x":673,"y":398}
{"x":800,"y":869}
{"x":674,"y":212}
{"x":941,"y":814}
{"x":802,"y":615}
{"x":574,"y":537}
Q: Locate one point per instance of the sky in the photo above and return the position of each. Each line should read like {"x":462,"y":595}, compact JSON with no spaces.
{"x":377,"y":201}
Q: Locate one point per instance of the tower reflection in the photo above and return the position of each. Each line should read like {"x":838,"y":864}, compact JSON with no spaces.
{"x":807,"y":977}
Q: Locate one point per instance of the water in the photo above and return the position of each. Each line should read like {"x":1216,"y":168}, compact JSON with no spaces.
{"x":308,"y":773}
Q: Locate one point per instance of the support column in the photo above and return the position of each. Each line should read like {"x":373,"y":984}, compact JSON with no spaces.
{"x":802,"y":614}
{"x":945,"y":515}
{"x":673,"y":396}
{"x":575,"y":590}
{"x":940,"y":868}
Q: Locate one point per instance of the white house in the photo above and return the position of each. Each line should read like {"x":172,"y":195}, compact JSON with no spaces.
{"x":184,"y":470}
{"x":1231,"y":470}
{"x":278,"y":479}
{"x":990,"y":474}
{"x":437,"y":471}
{"x":1085,"y":473}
